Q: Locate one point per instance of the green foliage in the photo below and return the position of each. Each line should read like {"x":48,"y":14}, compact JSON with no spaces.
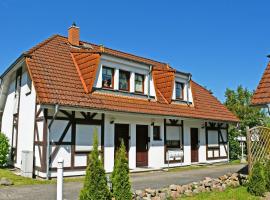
{"x":4,"y":150}
{"x":120,"y":176}
{"x":238,"y":102}
{"x":234,"y":146}
{"x":257,"y":183}
{"x":95,"y":183}
{"x":267,"y":175}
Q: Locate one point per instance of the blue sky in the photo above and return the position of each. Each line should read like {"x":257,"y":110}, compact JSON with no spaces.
{"x":222,"y":43}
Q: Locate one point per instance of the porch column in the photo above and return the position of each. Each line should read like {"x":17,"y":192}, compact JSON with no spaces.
{"x":132,"y":149}
{"x":108,"y":145}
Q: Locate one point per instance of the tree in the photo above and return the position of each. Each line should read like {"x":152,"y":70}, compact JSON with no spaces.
{"x":120,"y":176}
{"x":4,"y":150}
{"x":256,"y":183}
{"x":95,"y":183}
{"x":239,"y":103}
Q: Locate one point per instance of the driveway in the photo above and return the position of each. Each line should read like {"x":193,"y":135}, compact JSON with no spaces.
{"x":155,"y":179}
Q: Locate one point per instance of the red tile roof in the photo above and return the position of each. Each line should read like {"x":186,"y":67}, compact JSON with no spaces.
{"x":262,"y":93}
{"x":163,"y":82}
{"x":58,"y":80}
{"x":86,"y":65}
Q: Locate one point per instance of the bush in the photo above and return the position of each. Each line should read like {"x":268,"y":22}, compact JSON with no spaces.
{"x":234,"y":146}
{"x":95,"y":183}
{"x":120,"y":176}
{"x":4,"y":150}
{"x":267,"y":175}
{"x":257,"y":184}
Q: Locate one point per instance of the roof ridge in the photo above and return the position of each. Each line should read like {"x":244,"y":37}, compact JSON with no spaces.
{"x":151,"y":60}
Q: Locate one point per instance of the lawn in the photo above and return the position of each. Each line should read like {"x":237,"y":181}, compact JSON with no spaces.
{"x":19,"y":180}
{"x":230,"y":194}
{"x":192,"y":167}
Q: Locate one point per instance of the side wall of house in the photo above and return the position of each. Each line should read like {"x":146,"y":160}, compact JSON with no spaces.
{"x":18,"y":113}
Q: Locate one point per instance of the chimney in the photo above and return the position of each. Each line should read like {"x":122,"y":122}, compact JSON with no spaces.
{"x":74,"y":35}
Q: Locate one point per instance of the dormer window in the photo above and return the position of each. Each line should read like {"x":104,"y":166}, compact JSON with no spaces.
{"x":139,"y":79}
{"x":179,"y":90}
{"x":124,"y":80}
{"x":107,"y":77}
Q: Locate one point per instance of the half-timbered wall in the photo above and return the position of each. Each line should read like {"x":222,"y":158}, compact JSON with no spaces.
{"x":216,"y":140}
{"x":70,"y":134}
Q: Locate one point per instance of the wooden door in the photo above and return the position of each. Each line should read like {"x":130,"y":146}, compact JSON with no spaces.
{"x":141,"y":145}
{"x":194,"y":144}
{"x":121,"y":132}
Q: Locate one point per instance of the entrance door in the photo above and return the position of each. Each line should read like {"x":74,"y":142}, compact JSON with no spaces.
{"x":141,"y":145}
{"x":121,"y":132}
{"x":194,"y":144}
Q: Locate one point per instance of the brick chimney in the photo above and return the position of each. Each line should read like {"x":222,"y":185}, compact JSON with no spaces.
{"x":74,"y":35}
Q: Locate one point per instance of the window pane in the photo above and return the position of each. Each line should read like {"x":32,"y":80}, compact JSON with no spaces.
{"x":107,"y":77}
{"x":156,"y":134}
{"x":138,"y":83}
{"x":123,"y":80}
{"x":179,"y":91}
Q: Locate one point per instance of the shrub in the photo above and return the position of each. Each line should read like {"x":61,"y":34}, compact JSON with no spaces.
{"x":234,"y":146}
{"x":4,"y":150}
{"x":257,"y":184}
{"x":95,"y":183}
{"x":267,"y":175}
{"x":120,"y":176}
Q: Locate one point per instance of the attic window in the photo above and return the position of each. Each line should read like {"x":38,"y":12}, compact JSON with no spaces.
{"x":139,"y":79}
{"x":179,"y":90}
{"x":107,"y":77}
{"x":124,"y":80}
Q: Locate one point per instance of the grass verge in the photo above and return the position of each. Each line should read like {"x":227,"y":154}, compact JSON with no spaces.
{"x":239,"y":193}
{"x":19,"y":180}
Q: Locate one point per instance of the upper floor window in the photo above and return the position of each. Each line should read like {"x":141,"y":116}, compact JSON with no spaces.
{"x":179,"y":94}
{"x":107,"y":77}
{"x":139,"y":79}
{"x":124,"y":80}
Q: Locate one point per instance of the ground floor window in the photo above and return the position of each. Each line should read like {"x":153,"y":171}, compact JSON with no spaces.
{"x":173,"y":139}
{"x":216,"y":141}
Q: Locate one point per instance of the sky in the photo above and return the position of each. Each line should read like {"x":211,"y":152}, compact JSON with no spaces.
{"x":222,"y":43}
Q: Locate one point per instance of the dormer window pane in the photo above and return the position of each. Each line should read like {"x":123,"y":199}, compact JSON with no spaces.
{"x":107,"y":77}
{"x":124,"y":80}
{"x":179,"y":90}
{"x":139,"y":83}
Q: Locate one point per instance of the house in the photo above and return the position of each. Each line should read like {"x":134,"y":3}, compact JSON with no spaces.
{"x":57,"y":94}
{"x":261,"y":97}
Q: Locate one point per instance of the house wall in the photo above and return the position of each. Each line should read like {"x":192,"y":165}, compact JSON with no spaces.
{"x":25,"y":113}
{"x":26,"y":117}
{"x":156,"y":150}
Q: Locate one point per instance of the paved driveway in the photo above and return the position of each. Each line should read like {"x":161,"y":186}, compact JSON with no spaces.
{"x":139,"y":181}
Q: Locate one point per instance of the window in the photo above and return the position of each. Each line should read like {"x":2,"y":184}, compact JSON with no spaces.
{"x":107,"y":77}
{"x":123,"y":80}
{"x":139,"y":79}
{"x":179,"y":90}
{"x":156,"y":133}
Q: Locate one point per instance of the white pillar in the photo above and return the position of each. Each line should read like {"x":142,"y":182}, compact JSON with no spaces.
{"x":60,"y":179}
{"x":132,"y":82}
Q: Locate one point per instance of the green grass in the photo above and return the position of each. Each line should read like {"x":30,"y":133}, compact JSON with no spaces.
{"x":192,"y":167}
{"x":229,"y":194}
{"x":19,"y":180}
